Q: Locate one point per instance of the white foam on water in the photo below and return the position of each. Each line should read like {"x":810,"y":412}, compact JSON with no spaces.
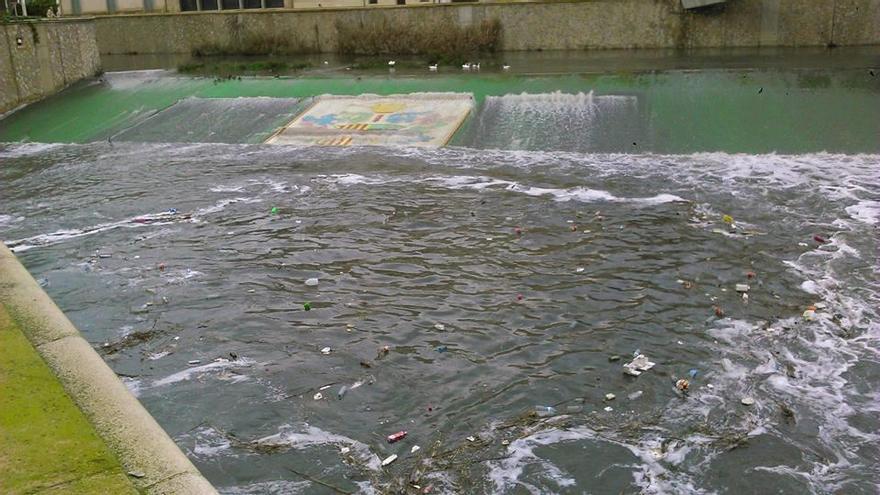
{"x":180,"y":276}
{"x":212,"y":367}
{"x":312,"y":436}
{"x":479,"y":183}
{"x":210,"y":443}
{"x":276,"y":487}
{"x":133,"y":385}
{"x":28,"y":149}
{"x":865,"y":211}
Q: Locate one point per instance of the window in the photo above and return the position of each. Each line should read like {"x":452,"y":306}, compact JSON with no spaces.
{"x":252,"y":4}
{"x":274,"y":4}
{"x":188,"y":5}
{"x":401,"y":2}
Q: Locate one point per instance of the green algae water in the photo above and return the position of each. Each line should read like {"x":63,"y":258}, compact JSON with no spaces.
{"x":482,"y":297}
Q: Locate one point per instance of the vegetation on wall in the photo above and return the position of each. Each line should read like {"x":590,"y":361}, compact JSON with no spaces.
{"x":442,"y":42}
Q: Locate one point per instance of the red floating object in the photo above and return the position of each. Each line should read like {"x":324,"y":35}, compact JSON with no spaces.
{"x":750,"y":274}
{"x":396,"y":437}
{"x":518,"y":231}
{"x":819,"y":239}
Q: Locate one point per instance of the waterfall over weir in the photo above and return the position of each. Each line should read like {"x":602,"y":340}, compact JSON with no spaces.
{"x":583,"y":122}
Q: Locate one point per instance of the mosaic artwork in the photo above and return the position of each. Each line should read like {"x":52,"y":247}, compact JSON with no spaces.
{"x":422,"y":119}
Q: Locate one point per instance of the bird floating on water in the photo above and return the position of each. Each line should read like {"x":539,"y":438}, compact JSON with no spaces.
{"x":392,"y":63}
{"x":476,"y":66}
{"x":432,"y":67}
{"x":505,"y":67}
{"x":466,"y":66}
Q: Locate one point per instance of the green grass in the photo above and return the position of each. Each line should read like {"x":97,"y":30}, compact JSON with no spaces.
{"x":46,"y":444}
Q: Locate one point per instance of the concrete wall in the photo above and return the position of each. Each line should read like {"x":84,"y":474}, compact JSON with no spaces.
{"x":550,"y":25}
{"x":53,"y":54}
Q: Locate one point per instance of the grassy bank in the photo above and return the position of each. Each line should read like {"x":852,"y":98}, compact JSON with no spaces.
{"x":45,"y":441}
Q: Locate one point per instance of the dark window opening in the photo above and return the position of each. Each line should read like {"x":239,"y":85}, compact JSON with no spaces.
{"x":209,"y":4}
{"x":373,"y":2}
{"x":188,"y":5}
{"x":274,"y":4}
{"x":401,"y":2}
{"x":252,"y":4}
{"x":229,"y":4}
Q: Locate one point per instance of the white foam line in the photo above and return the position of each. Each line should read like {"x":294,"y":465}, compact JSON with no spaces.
{"x":218,"y":365}
{"x":479,"y":183}
{"x":314,"y":436}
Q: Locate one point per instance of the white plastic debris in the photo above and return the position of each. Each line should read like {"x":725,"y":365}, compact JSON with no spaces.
{"x":747,"y":401}
{"x":193,"y":361}
{"x":610,"y":396}
{"x":325,"y":350}
{"x":414,"y":449}
{"x":344,"y":450}
{"x":579,"y":269}
{"x":809,"y":315}
{"x":608,"y":408}
{"x":319,"y":396}
{"x":742,"y":287}
{"x":137,"y":474}
{"x":311,"y":281}
{"x":635,"y":395}
{"x":440,"y":326}
{"x":471,"y":439}
{"x":388,"y":460}
{"x":638,"y":365}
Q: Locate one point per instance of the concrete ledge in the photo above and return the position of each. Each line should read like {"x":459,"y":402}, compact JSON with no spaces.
{"x":120,"y":420}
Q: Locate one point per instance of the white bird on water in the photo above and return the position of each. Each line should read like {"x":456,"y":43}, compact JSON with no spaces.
{"x":392,"y":63}
{"x":505,"y":67}
{"x":476,"y":66}
{"x":432,"y":67}
{"x":466,"y":66}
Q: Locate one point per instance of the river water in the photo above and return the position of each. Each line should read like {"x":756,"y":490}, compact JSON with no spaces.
{"x":460,"y":288}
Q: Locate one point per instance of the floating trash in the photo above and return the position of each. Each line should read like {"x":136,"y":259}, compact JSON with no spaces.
{"x":544,"y":411}
{"x":193,"y":361}
{"x":638,"y":365}
{"x":747,"y":401}
{"x":635,"y":395}
{"x":341,"y":393}
{"x":682,"y":385}
{"x":693,"y":372}
{"x":396,"y":437}
{"x":312,"y":282}
{"x":326,"y":350}
{"x":388,"y":460}
{"x":307,"y":306}
{"x":608,"y":409}
{"x":742,"y":287}
{"x":318,"y":396}
{"x":440,"y":326}
{"x":610,"y":396}
{"x":414,"y":449}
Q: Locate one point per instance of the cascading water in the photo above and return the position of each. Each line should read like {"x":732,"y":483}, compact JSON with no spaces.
{"x":579,"y":122}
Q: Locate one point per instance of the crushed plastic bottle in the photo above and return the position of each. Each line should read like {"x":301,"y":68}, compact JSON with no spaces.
{"x":388,"y":460}
{"x":274,"y":210}
{"x":544,"y":411}
{"x":341,"y":393}
{"x":742,"y":287}
{"x":747,"y":401}
{"x":635,"y":395}
{"x":311,"y":282}
{"x":326,"y":350}
{"x":610,"y":396}
{"x":693,"y":372}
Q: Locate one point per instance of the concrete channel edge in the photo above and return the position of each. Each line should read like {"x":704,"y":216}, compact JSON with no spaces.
{"x":131,"y":433}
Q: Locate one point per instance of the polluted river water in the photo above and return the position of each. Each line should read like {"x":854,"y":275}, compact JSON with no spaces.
{"x":282,"y":310}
